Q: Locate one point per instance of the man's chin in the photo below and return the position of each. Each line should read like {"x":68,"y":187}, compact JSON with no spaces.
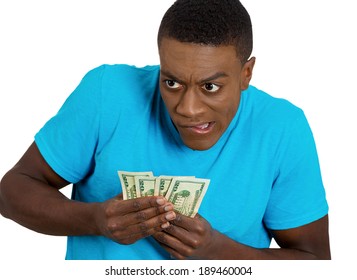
{"x":199,"y":145}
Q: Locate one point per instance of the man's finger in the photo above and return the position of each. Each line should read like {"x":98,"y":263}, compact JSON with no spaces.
{"x":144,"y":220}
{"x":184,"y":221}
{"x":142,"y":203}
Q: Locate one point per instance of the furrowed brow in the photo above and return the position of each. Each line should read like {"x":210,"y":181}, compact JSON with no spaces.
{"x":202,"y":81}
{"x":214,"y":77}
{"x":170,"y":76}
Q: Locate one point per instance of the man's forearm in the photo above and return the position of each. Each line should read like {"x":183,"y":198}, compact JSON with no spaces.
{"x":42,"y":208}
{"x":226,"y":248}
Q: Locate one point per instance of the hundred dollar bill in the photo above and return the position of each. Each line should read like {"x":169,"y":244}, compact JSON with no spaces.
{"x":145,"y":186}
{"x":127,"y":180}
{"x":186,"y":194}
{"x":163,"y":183}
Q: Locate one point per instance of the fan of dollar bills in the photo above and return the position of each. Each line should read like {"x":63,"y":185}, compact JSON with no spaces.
{"x":184,"y":192}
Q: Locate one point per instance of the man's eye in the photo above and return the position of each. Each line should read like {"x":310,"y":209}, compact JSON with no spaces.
{"x":172,"y":84}
{"x":210,"y":87}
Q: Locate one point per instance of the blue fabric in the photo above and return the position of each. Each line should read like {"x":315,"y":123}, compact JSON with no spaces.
{"x":264,"y":170}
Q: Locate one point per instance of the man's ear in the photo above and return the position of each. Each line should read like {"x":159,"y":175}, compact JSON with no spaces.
{"x":247,"y":73}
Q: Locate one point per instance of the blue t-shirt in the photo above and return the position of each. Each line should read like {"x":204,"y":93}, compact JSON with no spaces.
{"x":264,"y":170}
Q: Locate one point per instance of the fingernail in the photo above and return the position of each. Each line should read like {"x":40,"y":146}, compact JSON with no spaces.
{"x":170,"y":216}
{"x":168,"y":208}
{"x":165,"y":225}
{"x":160,"y":201}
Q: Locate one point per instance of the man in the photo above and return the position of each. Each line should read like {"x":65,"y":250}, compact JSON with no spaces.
{"x":195,"y":115}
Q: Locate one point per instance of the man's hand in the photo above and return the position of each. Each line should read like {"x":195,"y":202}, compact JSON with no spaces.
{"x":126,"y":221}
{"x":29,"y":195}
{"x":187,"y":238}
{"x":194,"y":238}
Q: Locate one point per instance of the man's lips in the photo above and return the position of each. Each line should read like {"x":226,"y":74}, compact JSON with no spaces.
{"x":201,"y":128}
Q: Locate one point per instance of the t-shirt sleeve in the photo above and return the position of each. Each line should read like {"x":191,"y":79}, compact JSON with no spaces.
{"x":297,"y":196}
{"x":68,"y":140}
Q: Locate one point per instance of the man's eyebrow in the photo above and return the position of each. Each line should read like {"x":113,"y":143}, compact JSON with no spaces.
{"x":171,"y":76}
{"x":168,"y":74}
{"x":213,"y":77}
{"x":202,"y":81}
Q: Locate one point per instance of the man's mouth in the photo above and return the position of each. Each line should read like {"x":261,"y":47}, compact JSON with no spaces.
{"x":201,"y":128}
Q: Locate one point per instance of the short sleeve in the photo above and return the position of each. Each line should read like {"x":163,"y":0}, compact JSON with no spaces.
{"x":68,"y":140}
{"x":297,"y":195}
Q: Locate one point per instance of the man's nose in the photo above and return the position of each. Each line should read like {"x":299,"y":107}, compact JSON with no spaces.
{"x":190,"y":104}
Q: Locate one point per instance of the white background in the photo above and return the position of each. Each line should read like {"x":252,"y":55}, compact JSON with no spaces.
{"x":306,"y":53}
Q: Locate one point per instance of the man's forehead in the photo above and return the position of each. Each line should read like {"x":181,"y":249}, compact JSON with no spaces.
{"x":202,"y":77}
{"x":173,"y":45}
{"x":183,"y":61}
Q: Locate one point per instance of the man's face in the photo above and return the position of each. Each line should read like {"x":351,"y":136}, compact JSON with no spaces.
{"x":201,"y":87}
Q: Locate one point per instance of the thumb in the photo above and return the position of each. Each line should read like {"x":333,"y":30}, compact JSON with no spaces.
{"x":119,"y":197}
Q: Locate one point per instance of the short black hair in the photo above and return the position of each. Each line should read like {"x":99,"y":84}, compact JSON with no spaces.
{"x":209,"y":22}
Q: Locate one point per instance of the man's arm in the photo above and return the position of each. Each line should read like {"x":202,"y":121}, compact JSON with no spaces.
{"x":29,"y":195}
{"x":194,"y":238}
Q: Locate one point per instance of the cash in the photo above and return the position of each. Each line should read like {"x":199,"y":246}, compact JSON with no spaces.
{"x":127,"y":180}
{"x":184,"y":192}
{"x":145,"y":186}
